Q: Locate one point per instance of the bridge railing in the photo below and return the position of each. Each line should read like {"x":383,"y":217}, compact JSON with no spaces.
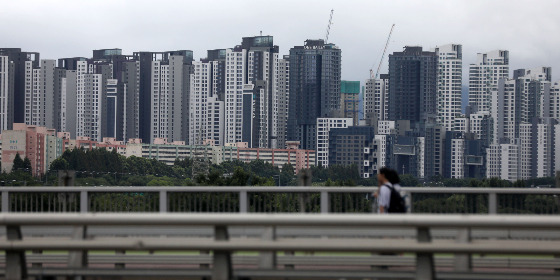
{"x":275,"y":200}
{"x":221,"y":247}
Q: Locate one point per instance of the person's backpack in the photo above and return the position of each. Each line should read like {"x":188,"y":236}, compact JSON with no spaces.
{"x":396,"y":204}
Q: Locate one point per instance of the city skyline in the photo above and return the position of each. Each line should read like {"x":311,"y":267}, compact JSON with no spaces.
{"x":477,"y":25}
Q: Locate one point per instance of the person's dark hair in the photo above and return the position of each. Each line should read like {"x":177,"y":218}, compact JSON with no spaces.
{"x":385,"y":172}
{"x":393,"y":177}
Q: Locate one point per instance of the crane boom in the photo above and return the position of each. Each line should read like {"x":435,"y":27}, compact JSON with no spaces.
{"x":329,"y":26}
{"x":384,"y":51}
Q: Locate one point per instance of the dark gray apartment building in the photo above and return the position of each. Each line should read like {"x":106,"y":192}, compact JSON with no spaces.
{"x":19,"y":58}
{"x":315,"y":75}
{"x":354,"y":145}
{"x":413,"y":85}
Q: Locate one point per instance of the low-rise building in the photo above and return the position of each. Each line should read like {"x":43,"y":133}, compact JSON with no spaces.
{"x":38,"y":144}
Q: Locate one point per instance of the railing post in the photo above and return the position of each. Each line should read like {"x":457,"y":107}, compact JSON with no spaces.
{"x":84,"y":203}
{"x":78,"y":259}
{"x":162,"y":201}
{"x":324,"y":202}
{"x":289,"y":266}
{"x":5,"y":202}
{"x":222,"y":259}
{"x":267,"y":260}
{"x":408,"y":201}
{"x":424,"y":261}
{"x":302,"y":201}
{"x":492,"y":203}
{"x":463,"y":262}
{"x":16,"y":267}
{"x":120,"y":253}
{"x":243,"y":202}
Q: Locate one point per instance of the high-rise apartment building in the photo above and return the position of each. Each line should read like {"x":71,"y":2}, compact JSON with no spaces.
{"x":19,"y":61}
{"x":350,"y":99}
{"x":413,"y":80}
{"x":484,"y":76}
{"x":376,"y":99}
{"x":164,"y":94}
{"x":315,"y":74}
{"x":6,"y":93}
{"x":40,"y":93}
{"x":503,"y":161}
{"x":355,"y":145}
{"x":519,"y":100}
{"x":206,"y":100}
{"x":450,"y":78}
{"x":324,"y":125}
{"x":282,"y":107}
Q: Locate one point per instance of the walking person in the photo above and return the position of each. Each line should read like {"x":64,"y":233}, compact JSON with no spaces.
{"x":389,"y":199}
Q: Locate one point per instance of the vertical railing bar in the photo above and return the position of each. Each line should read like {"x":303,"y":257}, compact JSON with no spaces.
{"x":163,"y":201}
{"x":5,"y":201}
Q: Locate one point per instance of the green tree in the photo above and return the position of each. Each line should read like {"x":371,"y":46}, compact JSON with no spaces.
{"x":18,"y":163}
{"x":408,"y":180}
{"x":27,"y":165}
{"x":59,"y":164}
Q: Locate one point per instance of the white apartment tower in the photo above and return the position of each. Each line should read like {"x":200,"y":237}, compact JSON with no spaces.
{"x":6,"y":93}
{"x":201,"y":90}
{"x":324,"y":125}
{"x":282,"y":104}
{"x":554,"y":99}
{"x":478,"y":124}
{"x":215,"y":121}
{"x":503,"y":161}
{"x":255,"y":63}
{"x":235,"y":79}
{"x":39,"y":93}
{"x":525,"y":151}
{"x":450,"y":78}
{"x":206,"y":111}
{"x":503,"y":111}
{"x":376,"y":98}
{"x":159,"y":126}
{"x":484,"y":76}
{"x":457,"y":158}
{"x":520,"y":100}
{"x":533,"y":86}
{"x":82,"y":70}
{"x":93,"y":103}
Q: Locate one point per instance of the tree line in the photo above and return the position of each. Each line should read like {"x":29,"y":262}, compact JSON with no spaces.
{"x":99,"y":167}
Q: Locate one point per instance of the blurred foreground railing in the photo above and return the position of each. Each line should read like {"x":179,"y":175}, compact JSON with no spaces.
{"x":275,"y":200}
{"x":219,"y":250}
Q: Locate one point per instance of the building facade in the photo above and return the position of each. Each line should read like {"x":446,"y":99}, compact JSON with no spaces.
{"x":413,"y":80}
{"x":315,"y":75}
{"x":324,"y":125}
{"x":450,"y":80}
{"x":484,"y":75}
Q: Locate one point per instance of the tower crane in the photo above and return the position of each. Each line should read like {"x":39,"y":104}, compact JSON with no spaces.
{"x":382,"y":56}
{"x":329,"y":27}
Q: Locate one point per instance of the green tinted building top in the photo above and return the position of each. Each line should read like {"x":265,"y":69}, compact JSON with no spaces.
{"x":350,"y":87}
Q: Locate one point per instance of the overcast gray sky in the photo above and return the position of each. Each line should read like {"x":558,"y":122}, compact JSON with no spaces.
{"x":529,"y":29}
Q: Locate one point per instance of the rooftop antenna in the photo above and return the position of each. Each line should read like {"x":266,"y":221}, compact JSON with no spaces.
{"x":261,"y":32}
{"x":329,"y":27}
{"x":382,"y":56}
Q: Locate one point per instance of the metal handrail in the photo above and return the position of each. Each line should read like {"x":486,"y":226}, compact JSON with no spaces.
{"x":307,"y":220}
{"x":222,"y":246}
{"x":293,"y":189}
{"x":244,"y":193}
